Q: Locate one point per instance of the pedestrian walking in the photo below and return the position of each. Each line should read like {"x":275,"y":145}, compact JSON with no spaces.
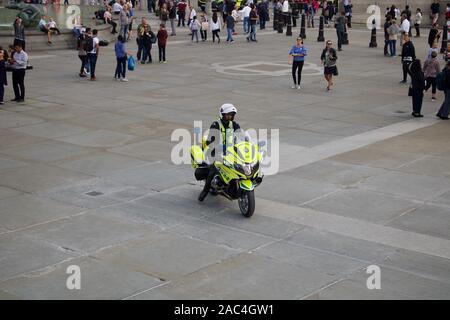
{"x":3,"y":78}
{"x":18,"y":63}
{"x":92,"y":49}
{"x":230,"y":26}
{"x":172,"y":17}
{"x":148,"y":37}
{"x":431,"y":69}
{"x":297,"y":56}
{"x":181,"y":10}
{"x":19,"y":33}
{"x":215,"y":27}
{"x":194,"y":26}
{"x":121,"y":58}
{"x":253,"y":21}
{"x":444,"y":110}
{"x":418,"y":21}
{"x":393,"y":31}
{"x":82,"y":54}
{"x":340,"y":29}
{"x":204,"y":27}
{"x":162,"y":42}
{"x":329,"y":57}
{"x":417,"y":87}
{"x":408,"y":56}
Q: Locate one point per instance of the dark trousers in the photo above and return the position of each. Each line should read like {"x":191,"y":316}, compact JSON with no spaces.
{"x":209,"y":179}
{"x":194,"y":33}
{"x":203,"y":34}
{"x":297,"y":66}
{"x":147,"y":53}
{"x":405,"y":67}
{"x":2,"y":92}
{"x":215,"y":34}
{"x":417,"y":26}
{"x":445,"y":108}
{"x":417,"y":99}
{"x":340,"y":37}
{"x":83,"y":63}
{"x":18,"y":77}
{"x":181,"y":17}
{"x":55,"y":29}
{"x":431,"y":82}
{"x":92,"y":60}
{"x":114,"y":26}
{"x":121,"y":67}
{"x":150,"y":5}
{"x":386,"y":46}
{"x":162,"y":53}
{"x":140,"y":48}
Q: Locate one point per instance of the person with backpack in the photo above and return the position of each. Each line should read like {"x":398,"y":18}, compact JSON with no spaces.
{"x":417,"y":87}
{"x":194,"y":26}
{"x":148,"y":38}
{"x":431,"y":69}
{"x":443,"y":84}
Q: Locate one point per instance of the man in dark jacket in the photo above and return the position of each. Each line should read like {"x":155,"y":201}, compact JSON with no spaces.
{"x":340,"y":29}
{"x":408,"y":56}
{"x":444,"y":111}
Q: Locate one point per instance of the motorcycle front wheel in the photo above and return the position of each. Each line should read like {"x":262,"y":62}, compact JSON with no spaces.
{"x":247,"y":203}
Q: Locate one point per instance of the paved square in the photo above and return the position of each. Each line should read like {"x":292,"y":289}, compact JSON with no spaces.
{"x":86,"y":178}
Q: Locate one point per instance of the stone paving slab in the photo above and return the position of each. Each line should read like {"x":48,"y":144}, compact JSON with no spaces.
{"x":246,"y":277}
{"x":166,"y":256}
{"x":427,"y":219}
{"x":395,"y":285}
{"x":99,"y":280}
{"x":46,"y":151}
{"x":27,"y":210}
{"x":18,"y":252}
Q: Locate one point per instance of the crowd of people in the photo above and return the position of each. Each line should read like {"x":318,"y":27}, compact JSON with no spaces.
{"x":398,"y":26}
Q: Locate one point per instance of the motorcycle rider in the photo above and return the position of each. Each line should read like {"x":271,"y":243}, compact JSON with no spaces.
{"x":225,"y":126}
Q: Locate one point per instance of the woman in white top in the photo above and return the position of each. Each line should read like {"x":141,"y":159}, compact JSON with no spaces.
{"x":215,"y":27}
{"x":418,"y":21}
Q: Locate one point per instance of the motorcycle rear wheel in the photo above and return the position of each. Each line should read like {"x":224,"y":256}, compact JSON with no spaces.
{"x":247,"y":203}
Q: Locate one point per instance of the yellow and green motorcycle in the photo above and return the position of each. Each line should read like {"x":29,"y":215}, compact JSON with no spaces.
{"x":236,"y":176}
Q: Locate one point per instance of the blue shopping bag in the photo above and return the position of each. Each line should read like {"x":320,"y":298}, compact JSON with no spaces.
{"x":131,"y":63}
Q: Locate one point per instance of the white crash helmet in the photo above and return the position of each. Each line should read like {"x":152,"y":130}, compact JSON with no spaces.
{"x":227,"y":108}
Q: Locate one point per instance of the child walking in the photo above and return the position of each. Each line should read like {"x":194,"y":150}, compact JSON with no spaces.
{"x":162,"y":41}
{"x":194,"y":26}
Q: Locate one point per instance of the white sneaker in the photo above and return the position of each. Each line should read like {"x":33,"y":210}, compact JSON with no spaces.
{"x":124,"y":80}
{"x":298,"y":87}
{"x":117,"y":79}
{"x":294,"y":86}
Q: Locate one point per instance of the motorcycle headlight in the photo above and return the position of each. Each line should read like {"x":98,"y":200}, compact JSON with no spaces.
{"x":245,"y":169}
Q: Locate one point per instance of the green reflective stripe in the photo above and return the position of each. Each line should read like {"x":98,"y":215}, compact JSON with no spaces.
{"x":227,"y":134}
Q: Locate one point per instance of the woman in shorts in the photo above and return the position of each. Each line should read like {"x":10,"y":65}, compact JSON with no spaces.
{"x":329,"y":58}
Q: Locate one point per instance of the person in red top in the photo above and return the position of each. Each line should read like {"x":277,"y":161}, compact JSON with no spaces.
{"x":162,"y":41}
{"x":181,"y":7}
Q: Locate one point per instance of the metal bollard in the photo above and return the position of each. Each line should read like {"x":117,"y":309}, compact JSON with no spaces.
{"x":373,"y":36}
{"x":321,"y":38}
{"x":289,"y":26}
{"x":302,"y":28}
{"x":345,"y":37}
{"x":444,"y":38}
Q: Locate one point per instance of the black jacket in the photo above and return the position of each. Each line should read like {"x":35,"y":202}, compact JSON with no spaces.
{"x":408,"y":51}
{"x":3,"y":78}
{"x":418,"y":81}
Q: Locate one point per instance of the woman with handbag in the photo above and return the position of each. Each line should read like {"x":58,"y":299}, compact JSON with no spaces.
{"x":329,"y":58}
{"x":417,"y":87}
